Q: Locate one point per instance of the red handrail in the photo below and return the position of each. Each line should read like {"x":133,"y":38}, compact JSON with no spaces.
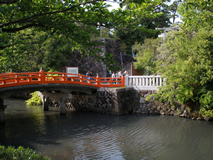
{"x":27,"y":78}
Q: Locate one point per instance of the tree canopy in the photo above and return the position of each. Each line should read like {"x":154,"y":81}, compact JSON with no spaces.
{"x":31,"y":31}
{"x":52,"y":15}
{"x":73,"y":22}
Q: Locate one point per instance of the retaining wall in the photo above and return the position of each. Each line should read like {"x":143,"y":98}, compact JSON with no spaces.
{"x":127,"y":100}
{"x":108,"y":101}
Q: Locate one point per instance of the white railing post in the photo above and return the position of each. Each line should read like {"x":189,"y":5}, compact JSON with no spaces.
{"x":143,"y":81}
{"x":127,"y":81}
{"x":146,"y":81}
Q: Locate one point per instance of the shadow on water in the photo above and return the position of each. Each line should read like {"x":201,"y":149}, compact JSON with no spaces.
{"x":26,"y":125}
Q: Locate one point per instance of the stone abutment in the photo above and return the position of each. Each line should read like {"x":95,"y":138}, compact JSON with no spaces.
{"x":107,"y":101}
{"x":124,"y":101}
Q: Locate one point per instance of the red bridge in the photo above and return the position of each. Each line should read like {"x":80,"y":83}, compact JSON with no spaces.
{"x":57,"y":84}
{"x":30,"y":78}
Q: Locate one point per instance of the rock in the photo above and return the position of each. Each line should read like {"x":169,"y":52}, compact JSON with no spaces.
{"x":144,"y":109}
{"x":176,"y":113}
{"x":142,"y":100}
{"x":199,"y":118}
{"x":193,"y":118}
{"x":162,"y":112}
{"x":151,"y":101}
{"x":151,"y":112}
{"x":171,"y":112}
{"x":150,"y":105}
{"x":182,"y":108}
{"x":138,"y":111}
{"x":186,"y":114}
{"x":146,"y":95}
{"x":166,"y":112}
{"x":164,"y":108}
{"x":153,"y":108}
{"x":172,"y":108}
{"x":158,"y":108}
{"x":157,"y":112}
{"x":207,"y":118}
{"x":167,"y":103}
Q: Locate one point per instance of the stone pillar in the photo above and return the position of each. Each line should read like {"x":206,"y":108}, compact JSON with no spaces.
{"x":45,"y":103}
{"x":59,"y":97}
{"x":3,"y":105}
{"x":62,"y":106}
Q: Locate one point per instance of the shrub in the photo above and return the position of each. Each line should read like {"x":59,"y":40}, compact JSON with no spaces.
{"x":11,"y":153}
{"x":34,"y":100}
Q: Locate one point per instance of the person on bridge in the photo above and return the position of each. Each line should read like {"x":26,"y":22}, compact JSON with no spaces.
{"x":125,"y":73}
{"x":119,"y":74}
{"x":89,"y":74}
{"x":113,"y":76}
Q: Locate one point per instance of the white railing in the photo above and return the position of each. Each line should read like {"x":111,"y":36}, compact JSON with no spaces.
{"x":144,"y":82}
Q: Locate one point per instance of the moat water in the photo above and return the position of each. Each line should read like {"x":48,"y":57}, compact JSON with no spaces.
{"x":86,"y":135}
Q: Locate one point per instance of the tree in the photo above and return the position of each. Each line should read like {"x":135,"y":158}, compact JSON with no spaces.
{"x":186,"y":59}
{"x":72,"y":19}
{"x":186,"y":63}
{"x":147,"y":54}
{"x":139,"y":22}
{"x":196,"y":14}
{"x":54,"y":15}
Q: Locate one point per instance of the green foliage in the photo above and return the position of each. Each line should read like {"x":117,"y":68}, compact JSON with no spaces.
{"x":11,"y":153}
{"x":34,"y":100}
{"x":206,"y":113}
{"x":196,"y":14}
{"x":146,"y":55}
{"x":45,"y":34}
{"x":138,"y":22}
{"x":179,"y":111}
{"x":206,"y":100}
{"x":185,"y":59}
{"x":24,"y":56}
{"x":186,"y":63}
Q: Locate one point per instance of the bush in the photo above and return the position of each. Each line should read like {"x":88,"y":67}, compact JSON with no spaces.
{"x":34,"y":100}
{"x":206,"y":113}
{"x":20,"y":153}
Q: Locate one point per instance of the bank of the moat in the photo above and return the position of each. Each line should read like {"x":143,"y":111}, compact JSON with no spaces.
{"x":128,"y":100}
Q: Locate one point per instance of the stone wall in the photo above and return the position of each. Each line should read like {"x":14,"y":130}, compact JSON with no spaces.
{"x":154,"y":107}
{"x":124,"y":101}
{"x":108,"y":101}
{"x":127,"y":100}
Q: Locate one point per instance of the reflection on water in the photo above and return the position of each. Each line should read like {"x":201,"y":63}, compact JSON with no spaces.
{"x":86,"y":135}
